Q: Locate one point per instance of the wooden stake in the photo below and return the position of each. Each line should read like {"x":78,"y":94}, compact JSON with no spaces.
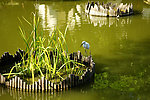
{"x":36,"y":87}
{"x":46,"y":85}
{"x":2,"y":78}
{"x":10,"y":83}
{"x":24,"y":86}
{"x":49,"y":86}
{"x":27,"y":88}
{"x":39,"y":85}
{"x":18,"y":83}
{"x":13,"y":82}
{"x":42,"y":83}
{"x":32,"y":87}
{"x":7,"y":83}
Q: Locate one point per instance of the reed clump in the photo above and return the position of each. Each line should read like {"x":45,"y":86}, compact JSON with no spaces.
{"x":45,"y":56}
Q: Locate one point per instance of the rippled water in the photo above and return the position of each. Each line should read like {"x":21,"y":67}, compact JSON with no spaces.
{"x":118,"y":45}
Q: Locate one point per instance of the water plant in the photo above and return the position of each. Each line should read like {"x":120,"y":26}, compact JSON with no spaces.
{"x":124,"y":83}
{"x":46,"y":57}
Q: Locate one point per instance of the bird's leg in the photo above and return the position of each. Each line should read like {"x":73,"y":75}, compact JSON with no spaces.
{"x":90,"y":52}
{"x":86,"y":53}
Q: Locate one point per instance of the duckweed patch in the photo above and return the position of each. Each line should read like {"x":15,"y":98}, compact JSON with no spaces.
{"x":126,"y":83}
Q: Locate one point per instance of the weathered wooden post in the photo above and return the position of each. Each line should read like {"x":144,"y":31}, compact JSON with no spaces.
{"x":39,"y":85}
{"x":49,"y":86}
{"x":33,"y":87}
{"x":42,"y":83}
{"x":52,"y":85}
{"x":24,"y":86}
{"x":36,"y":87}
{"x":10,"y":84}
{"x":13,"y":82}
{"x":30,"y":88}
{"x":27,"y":88}
{"x":2,"y":79}
{"x":79,"y":56}
{"x":18,"y":83}
{"x":46,"y":85}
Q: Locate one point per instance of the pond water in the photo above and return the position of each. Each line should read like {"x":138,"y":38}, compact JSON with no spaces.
{"x":119,"y":46}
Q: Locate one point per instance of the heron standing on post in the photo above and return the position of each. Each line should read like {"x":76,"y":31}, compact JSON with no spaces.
{"x":85,"y":46}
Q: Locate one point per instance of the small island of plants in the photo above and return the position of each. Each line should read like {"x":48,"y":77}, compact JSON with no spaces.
{"x":46,"y":64}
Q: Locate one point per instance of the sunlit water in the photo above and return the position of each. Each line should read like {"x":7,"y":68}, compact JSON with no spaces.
{"x":118,"y":45}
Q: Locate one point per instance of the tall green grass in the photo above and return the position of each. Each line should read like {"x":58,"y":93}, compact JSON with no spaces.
{"x":46,"y":56}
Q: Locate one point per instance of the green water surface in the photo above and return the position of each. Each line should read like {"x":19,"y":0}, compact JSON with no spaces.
{"x":120,"y":46}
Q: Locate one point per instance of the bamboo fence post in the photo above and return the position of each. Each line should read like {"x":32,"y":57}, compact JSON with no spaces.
{"x":4,"y":79}
{"x":45,"y":85}
{"x":18,"y":83}
{"x":33,"y":87}
{"x":1,"y":79}
{"x":39,"y":85}
{"x":36,"y":87}
{"x":24,"y":86}
{"x":27,"y":87}
{"x":61,"y":85}
{"x":49,"y":86}
{"x":83,"y":78}
{"x":79,"y":56}
{"x":10,"y":84}
{"x":7,"y":84}
{"x":52,"y":85}
{"x":13,"y":82}
{"x":42,"y":83}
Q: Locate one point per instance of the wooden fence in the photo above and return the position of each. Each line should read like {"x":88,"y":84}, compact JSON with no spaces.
{"x":44,"y":85}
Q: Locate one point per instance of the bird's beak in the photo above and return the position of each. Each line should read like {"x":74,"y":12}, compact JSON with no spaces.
{"x":81,"y":44}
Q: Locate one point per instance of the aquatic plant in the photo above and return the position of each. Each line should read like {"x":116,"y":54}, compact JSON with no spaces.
{"x":119,"y":82}
{"x":46,"y":57}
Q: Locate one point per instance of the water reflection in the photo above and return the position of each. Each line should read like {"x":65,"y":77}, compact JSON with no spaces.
{"x":50,"y":16}
{"x":146,"y":13}
{"x":65,"y":95}
{"x":7,"y":94}
{"x":73,"y":17}
{"x":12,"y":2}
{"x":111,"y":21}
{"x":9,"y":2}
